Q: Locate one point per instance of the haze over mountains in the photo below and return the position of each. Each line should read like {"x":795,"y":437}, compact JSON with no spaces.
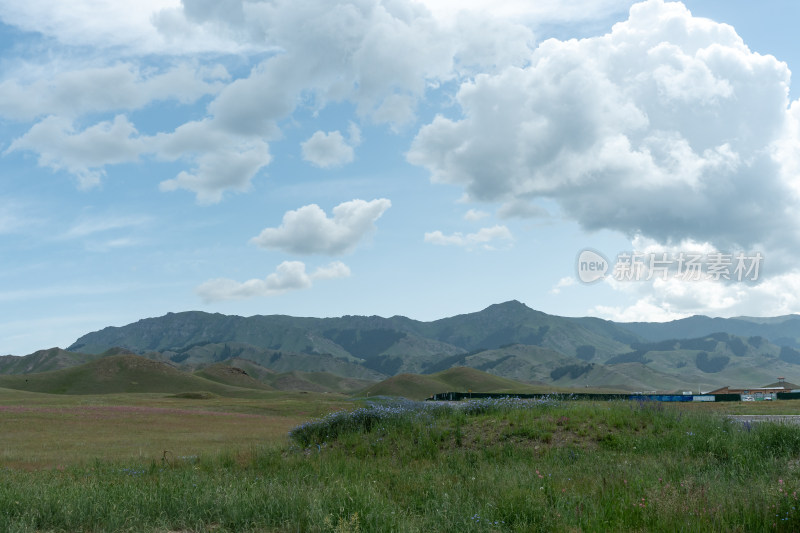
{"x":508,"y":340}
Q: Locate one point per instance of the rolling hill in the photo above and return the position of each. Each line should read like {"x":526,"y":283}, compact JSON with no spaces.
{"x":45,"y":360}
{"x":462,"y":379}
{"x":117,"y":374}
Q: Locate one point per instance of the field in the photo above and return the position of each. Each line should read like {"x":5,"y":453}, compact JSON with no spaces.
{"x":153,"y":462}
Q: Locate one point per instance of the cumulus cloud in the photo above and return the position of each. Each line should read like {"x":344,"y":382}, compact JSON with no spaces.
{"x":220,"y":162}
{"x":308,"y":230}
{"x":143,"y":27}
{"x":122,"y":86}
{"x":327,"y":149}
{"x":380,"y":56}
{"x":226,"y":167}
{"x":288,"y":276}
{"x":668,"y":127}
{"x":749,"y":283}
{"x":541,"y":12}
{"x":484,"y":237}
{"x":475,"y":214}
{"x":567,"y":281}
{"x":83,"y":153}
{"x":661,"y":300}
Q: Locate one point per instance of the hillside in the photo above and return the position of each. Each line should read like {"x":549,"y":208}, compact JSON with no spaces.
{"x":245,"y":373}
{"x":461,"y":379}
{"x":508,"y":340}
{"x":783,"y":330}
{"x":231,"y":375}
{"x":117,"y":374}
{"x":45,"y":360}
{"x":374,"y":342}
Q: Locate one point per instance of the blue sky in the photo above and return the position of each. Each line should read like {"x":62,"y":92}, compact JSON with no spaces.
{"x":323,"y":158}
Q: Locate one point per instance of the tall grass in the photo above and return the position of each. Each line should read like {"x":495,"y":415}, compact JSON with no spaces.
{"x":480,"y":466}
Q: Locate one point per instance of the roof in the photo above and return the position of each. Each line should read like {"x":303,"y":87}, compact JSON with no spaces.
{"x":783,"y":385}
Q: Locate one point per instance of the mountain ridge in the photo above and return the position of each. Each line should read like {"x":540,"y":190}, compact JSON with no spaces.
{"x":507,"y":339}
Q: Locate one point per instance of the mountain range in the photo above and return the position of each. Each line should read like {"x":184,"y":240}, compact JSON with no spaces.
{"x":508,"y":340}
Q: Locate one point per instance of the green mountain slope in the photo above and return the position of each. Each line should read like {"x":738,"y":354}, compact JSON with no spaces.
{"x":385,"y":345}
{"x":117,"y":374}
{"x":231,"y":375}
{"x":45,"y":360}
{"x":515,"y":323}
{"x":457,"y":379}
{"x":783,"y":331}
{"x":507,"y":340}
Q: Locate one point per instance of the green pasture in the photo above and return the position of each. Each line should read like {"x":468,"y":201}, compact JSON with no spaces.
{"x":202,"y":462}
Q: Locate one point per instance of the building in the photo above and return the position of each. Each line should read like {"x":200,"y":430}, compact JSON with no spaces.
{"x":759,"y":393}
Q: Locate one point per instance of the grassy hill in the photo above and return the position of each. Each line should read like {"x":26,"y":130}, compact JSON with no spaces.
{"x":317,"y":382}
{"x":231,"y":375}
{"x":45,"y":360}
{"x":117,"y":374}
{"x":459,"y":379}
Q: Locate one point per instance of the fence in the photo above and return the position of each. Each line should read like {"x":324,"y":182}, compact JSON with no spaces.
{"x":458,"y":396}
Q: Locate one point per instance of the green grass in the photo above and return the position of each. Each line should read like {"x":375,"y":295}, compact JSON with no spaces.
{"x":46,"y":431}
{"x":117,"y":374}
{"x":492,"y":466}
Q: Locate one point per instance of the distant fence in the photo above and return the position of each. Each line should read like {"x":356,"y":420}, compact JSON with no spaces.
{"x":458,"y":396}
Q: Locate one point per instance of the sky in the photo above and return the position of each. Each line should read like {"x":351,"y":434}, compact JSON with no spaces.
{"x":634,"y":161}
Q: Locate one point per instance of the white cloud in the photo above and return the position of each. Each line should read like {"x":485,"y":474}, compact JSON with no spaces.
{"x":668,"y":126}
{"x":549,"y":11}
{"x":308,"y":230}
{"x":225,"y":167}
{"x":83,"y":153}
{"x":333,"y":270}
{"x":475,"y":214}
{"x":383,"y":56}
{"x":143,"y":27}
{"x":567,"y":281}
{"x":221,"y":161}
{"x":660,"y":300}
{"x":380,"y":56}
{"x":327,"y":150}
{"x":483,"y":237}
{"x":354,"y":134}
{"x":770,"y":290}
{"x":288,"y":276}
{"x":118,"y":87}
{"x":643,"y":310}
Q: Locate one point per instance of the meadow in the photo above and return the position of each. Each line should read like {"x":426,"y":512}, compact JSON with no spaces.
{"x":303,"y":462}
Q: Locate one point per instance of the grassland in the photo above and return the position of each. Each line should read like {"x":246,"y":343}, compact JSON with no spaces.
{"x":97,"y":463}
{"x":46,"y":431}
